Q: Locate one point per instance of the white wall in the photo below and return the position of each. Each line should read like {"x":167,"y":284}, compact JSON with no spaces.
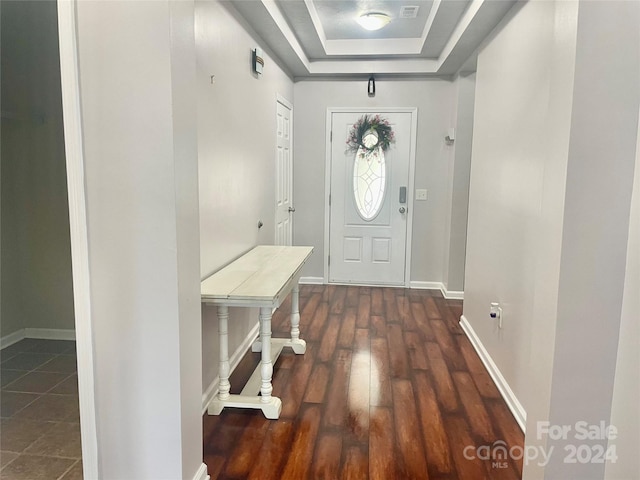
{"x":434,"y":100}
{"x":602,"y":157}
{"x":187,"y":230}
{"x":236,"y":156}
{"x":459,"y":172}
{"x":137,"y":78}
{"x":625,"y":409}
{"x":36,"y":251}
{"x":545,"y":233}
{"x":520,"y":147}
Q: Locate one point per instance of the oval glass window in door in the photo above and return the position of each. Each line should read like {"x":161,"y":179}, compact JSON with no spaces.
{"x":369,"y":178}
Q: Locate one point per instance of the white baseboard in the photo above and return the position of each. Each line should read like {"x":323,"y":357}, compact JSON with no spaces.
{"x":426,"y":285}
{"x":42,"y":333}
{"x":312,"y":280}
{"x":448,"y":294}
{"x":509,"y":397}
{"x":50,"y":333}
{"x":452,"y":294}
{"x":202,"y":474}
{"x":212,"y":389}
{"x":12,"y":338}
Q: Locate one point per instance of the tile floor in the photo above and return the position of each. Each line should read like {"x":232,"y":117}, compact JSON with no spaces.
{"x":40,"y":422}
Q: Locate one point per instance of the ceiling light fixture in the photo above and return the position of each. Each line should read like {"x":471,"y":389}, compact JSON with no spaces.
{"x":373,"y":20}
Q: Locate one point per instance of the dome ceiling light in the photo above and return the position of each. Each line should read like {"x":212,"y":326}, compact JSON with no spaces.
{"x":373,"y":20}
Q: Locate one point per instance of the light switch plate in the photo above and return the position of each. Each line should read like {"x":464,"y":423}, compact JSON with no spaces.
{"x":421,"y":194}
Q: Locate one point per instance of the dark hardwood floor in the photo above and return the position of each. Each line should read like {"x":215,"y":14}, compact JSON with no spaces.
{"x":389,"y":388}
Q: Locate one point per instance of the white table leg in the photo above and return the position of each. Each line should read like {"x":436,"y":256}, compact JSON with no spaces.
{"x":217,"y":404}
{"x":298,"y":345}
{"x":271,"y":406}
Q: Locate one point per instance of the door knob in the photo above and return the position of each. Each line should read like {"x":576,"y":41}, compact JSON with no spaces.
{"x":292,"y":209}
{"x":403,"y":210}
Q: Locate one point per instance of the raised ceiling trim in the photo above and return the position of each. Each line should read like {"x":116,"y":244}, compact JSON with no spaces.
{"x":389,"y":46}
{"x":288,"y":34}
{"x":427,"y":26}
{"x":420,"y":66}
{"x":394,"y":56}
{"x":317,"y":23}
{"x":460,"y":29}
{"x":374,"y":46}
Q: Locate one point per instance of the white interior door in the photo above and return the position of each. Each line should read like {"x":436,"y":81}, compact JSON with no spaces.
{"x":368,"y":231}
{"x":284,"y":175}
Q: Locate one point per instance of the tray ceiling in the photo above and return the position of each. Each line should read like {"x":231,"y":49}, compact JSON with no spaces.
{"x":322,"y":38}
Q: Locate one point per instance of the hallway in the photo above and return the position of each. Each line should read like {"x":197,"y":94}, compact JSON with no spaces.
{"x":170,"y":153}
{"x":390,"y":387}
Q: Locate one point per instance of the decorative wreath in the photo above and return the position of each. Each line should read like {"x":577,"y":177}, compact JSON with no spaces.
{"x":368,"y":123}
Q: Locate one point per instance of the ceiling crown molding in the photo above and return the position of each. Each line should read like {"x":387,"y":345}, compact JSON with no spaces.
{"x":291,"y":33}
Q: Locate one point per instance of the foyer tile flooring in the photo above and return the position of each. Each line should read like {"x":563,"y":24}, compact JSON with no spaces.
{"x":40,"y":422}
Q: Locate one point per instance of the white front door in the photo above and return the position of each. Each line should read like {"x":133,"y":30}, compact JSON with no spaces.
{"x":369,"y":205}
{"x":284,"y":175}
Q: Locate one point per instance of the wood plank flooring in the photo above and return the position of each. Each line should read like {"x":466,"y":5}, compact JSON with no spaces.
{"x":389,"y":388}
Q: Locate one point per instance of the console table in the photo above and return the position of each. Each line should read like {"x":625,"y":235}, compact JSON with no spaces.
{"x":261,"y":278}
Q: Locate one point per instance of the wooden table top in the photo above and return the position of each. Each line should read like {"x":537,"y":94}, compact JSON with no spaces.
{"x":258,"y":278}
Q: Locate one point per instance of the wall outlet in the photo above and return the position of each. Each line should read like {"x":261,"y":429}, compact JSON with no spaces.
{"x":496,"y":312}
{"x":421,"y":194}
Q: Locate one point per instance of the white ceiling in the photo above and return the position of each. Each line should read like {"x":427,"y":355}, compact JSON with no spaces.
{"x":322,"y":38}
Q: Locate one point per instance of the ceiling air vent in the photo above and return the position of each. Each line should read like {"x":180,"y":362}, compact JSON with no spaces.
{"x":409,"y":11}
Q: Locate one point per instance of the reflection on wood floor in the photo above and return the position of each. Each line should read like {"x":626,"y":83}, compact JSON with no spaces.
{"x":390,"y":388}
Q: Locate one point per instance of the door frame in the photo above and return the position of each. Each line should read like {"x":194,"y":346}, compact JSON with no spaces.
{"x":74,"y":154}
{"x":410,"y":184}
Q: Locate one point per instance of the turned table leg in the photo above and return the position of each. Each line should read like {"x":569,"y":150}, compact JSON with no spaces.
{"x":298,"y":345}
{"x":216,"y":406}
{"x":271,"y":406}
